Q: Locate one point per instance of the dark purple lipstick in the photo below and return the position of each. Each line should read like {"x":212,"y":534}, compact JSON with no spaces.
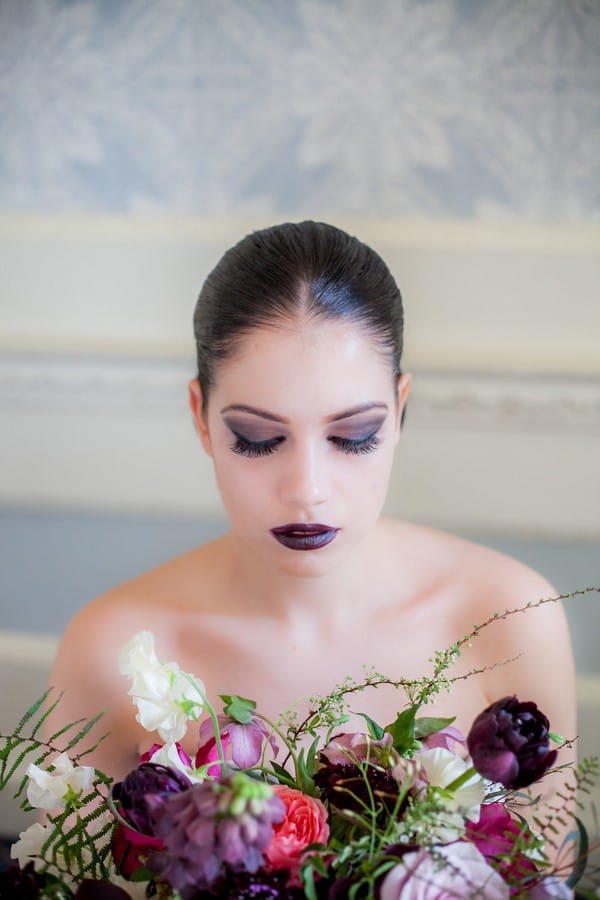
{"x":309,"y":536}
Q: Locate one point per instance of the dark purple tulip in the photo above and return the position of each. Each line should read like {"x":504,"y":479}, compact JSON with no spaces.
{"x":99,"y":890}
{"x":149,"y":779}
{"x":509,"y":743}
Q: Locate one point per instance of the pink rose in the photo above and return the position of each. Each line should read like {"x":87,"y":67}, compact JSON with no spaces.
{"x":305,"y":823}
{"x":457,"y":870}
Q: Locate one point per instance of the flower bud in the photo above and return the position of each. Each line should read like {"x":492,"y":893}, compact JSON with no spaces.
{"x":509,"y":743}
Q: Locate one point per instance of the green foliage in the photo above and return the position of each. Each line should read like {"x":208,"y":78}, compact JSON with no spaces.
{"x":239,"y":708}
{"x":78,"y":838}
{"x":402,"y":730}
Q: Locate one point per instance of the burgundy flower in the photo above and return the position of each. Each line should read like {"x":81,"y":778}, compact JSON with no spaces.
{"x":260,"y":885}
{"x":24,"y":884}
{"x":149,"y":779}
{"x":212,"y":829}
{"x":245,"y":740}
{"x":99,"y":890}
{"x":509,"y":743}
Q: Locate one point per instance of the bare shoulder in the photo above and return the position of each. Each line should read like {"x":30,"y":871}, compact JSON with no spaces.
{"x":487,"y":580}
{"x":87,"y":663}
{"x":525,"y":649}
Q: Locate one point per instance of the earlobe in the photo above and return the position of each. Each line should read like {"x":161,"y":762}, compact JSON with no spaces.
{"x":195,"y":399}
{"x":403,"y":387}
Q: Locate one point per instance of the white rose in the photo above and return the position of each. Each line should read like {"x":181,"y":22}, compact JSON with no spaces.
{"x":164,"y":696}
{"x":442,"y":768}
{"x":49,"y":790}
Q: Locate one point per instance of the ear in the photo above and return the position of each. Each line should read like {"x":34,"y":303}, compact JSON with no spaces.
{"x":403,"y":387}
{"x":195,"y":400}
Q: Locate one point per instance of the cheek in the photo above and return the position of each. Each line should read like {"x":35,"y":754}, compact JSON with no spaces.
{"x":374,"y":485}
{"x":243,"y":486}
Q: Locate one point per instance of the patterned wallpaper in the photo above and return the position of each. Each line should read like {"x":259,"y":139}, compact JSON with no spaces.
{"x":439,"y":108}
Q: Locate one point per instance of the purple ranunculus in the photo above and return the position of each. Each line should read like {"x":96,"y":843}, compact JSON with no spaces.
{"x":509,"y":743}
{"x":148,"y":780}
{"x":245,"y":740}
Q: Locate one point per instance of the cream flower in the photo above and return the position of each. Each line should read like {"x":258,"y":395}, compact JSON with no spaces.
{"x":442,"y":767}
{"x":164,"y":696}
{"x":30,"y":843}
{"x":52,"y":790}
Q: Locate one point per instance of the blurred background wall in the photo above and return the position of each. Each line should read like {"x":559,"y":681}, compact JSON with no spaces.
{"x":141,"y":138}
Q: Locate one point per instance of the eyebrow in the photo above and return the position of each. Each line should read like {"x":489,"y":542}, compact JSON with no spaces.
{"x":346,"y":414}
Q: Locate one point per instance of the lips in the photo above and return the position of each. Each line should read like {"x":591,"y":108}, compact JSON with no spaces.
{"x":303,"y":536}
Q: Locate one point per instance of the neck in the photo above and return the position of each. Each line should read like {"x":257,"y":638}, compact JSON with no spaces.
{"x":337,"y":596}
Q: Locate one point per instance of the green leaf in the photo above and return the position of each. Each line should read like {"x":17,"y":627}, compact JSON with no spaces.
{"x":283,"y":774}
{"x":403,"y":730}
{"x":582,"y":852}
{"x":426,"y":726}
{"x":375,"y":730}
{"x":306,"y":769}
{"x":308,"y":882}
{"x":239,"y":708}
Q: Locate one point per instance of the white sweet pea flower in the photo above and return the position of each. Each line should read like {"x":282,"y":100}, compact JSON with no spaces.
{"x":442,"y":767}
{"x":163,"y":694}
{"x":52,"y":790}
{"x":171,"y":755}
{"x":29,"y":845}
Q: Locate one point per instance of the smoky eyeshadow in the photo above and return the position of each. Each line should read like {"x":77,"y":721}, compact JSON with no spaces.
{"x":358,"y":431}
{"x":256,"y":432}
{"x":253,"y":432}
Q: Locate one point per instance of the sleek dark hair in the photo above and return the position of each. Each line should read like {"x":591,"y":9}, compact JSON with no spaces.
{"x":295,"y":269}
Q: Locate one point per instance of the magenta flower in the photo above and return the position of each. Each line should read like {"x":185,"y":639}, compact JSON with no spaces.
{"x":245,"y":741}
{"x":509,"y":743}
{"x":495,"y":835}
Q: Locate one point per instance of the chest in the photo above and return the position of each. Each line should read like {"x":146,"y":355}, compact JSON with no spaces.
{"x":281,"y":668}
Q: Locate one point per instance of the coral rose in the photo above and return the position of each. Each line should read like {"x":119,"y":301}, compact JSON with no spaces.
{"x":305,"y":823}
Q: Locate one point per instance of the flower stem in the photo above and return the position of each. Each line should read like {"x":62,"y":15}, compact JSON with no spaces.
{"x":213,"y":715}
{"x":462,"y":779}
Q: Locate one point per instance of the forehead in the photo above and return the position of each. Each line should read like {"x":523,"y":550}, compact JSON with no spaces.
{"x":298,"y":368}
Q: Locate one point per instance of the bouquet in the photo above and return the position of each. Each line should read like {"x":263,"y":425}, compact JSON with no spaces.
{"x":297,"y":808}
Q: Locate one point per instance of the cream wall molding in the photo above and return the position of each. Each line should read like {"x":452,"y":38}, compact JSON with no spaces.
{"x":112,"y":385}
{"x":479,"y":296}
{"x":502,"y":338}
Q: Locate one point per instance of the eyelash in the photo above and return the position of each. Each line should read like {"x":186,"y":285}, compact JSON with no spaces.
{"x":254,"y":449}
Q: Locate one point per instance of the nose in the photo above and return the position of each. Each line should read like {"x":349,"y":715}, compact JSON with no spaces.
{"x":305,"y":477}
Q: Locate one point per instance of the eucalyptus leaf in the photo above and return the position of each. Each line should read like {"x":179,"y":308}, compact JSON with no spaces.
{"x":425,"y":726}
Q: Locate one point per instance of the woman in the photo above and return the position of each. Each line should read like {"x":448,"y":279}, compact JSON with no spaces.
{"x":299,"y":400}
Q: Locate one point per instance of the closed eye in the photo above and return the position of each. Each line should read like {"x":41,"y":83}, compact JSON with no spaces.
{"x":253,"y":449}
{"x":363,"y":445}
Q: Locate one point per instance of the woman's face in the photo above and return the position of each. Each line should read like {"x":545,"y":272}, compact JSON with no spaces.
{"x":301,"y":423}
